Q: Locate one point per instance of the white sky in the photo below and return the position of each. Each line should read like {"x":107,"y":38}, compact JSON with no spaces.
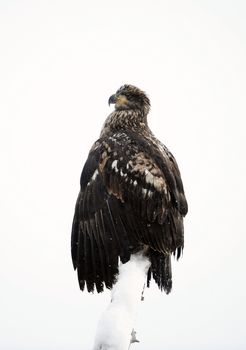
{"x":59,"y":63}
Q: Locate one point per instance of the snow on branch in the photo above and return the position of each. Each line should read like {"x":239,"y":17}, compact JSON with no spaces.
{"x":115,"y":328}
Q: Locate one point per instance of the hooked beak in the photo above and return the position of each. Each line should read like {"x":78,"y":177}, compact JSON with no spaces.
{"x":112,"y":99}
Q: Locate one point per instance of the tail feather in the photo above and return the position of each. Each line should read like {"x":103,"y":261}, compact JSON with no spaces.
{"x":160,"y":270}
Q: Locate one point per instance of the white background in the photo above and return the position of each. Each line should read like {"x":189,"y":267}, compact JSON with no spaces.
{"x":59,"y":63}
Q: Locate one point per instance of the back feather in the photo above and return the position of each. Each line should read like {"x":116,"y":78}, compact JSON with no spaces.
{"x":131,"y":198}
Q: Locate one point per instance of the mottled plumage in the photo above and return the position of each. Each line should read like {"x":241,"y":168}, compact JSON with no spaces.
{"x":131,"y":199}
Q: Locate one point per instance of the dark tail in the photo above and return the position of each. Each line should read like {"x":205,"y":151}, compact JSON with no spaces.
{"x":160,"y":270}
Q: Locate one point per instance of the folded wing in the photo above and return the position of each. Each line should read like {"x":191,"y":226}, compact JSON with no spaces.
{"x":131,"y":198}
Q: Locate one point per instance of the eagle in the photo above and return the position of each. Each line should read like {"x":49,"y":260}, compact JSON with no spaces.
{"x":131,"y":199}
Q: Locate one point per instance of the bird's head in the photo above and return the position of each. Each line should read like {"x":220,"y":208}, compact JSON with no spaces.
{"x":129,"y":97}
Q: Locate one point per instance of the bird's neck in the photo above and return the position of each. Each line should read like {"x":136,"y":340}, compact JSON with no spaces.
{"x":134,"y":120}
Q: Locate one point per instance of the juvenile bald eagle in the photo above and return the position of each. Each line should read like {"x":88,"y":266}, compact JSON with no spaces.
{"x":131,"y":199}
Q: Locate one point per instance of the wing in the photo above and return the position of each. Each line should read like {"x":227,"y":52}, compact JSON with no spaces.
{"x":131,"y":196}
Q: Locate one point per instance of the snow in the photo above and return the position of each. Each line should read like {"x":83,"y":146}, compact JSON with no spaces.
{"x":116,"y":323}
